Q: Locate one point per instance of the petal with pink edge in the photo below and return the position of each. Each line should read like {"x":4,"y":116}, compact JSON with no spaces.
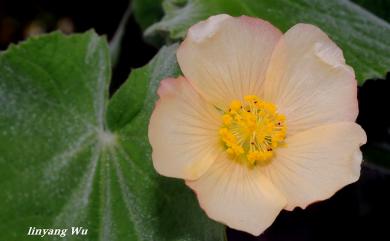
{"x":226,"y":57}
{"x":183,"y":131}
{"x":237,"y":196}
{"x":309,"y":80}
{"x":318,"y":162}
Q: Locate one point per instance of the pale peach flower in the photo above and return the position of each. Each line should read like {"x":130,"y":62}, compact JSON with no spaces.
{"x":262,"y":121}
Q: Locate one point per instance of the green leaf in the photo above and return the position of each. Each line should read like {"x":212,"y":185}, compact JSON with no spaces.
{"x":66,"y":161}
{"x":364,"y":38}
{"x":147,"y":12}
{"x":128,"y":100}
{"x":116,"y":41}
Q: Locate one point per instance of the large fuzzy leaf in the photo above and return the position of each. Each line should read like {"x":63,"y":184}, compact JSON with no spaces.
{"x":65,"y":161}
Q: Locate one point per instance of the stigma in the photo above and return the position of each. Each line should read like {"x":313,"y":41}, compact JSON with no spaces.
{"x":251,"y":130}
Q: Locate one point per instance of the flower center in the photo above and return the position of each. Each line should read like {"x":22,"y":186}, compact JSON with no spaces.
{"x":251,"y":130}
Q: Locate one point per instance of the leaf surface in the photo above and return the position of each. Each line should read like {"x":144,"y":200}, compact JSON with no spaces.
{"x":69,"y":157}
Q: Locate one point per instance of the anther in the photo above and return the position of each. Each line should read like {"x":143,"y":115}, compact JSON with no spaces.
{"x":251,"y":138}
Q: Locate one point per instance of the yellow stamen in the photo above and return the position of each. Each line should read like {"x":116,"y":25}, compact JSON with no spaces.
{"x":227,"y":119}
{"x":251,"y":131}
{"x":235,"y":106}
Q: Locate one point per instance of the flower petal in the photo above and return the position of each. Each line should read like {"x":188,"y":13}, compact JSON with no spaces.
{"x":183,"y":131}
{"x":237,"y":196}
{"x":318,"y":162}
{"x":226,"y":58}
{"x":309,"y":80}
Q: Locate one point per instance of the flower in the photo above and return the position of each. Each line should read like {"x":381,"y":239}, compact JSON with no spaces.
{"x":261,"y":121}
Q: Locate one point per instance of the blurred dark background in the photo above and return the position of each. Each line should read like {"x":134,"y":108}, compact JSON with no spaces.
{"x":360,"y":211}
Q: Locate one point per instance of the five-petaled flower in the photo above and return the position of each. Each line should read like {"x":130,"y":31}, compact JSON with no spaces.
{"x":261,"y":121}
